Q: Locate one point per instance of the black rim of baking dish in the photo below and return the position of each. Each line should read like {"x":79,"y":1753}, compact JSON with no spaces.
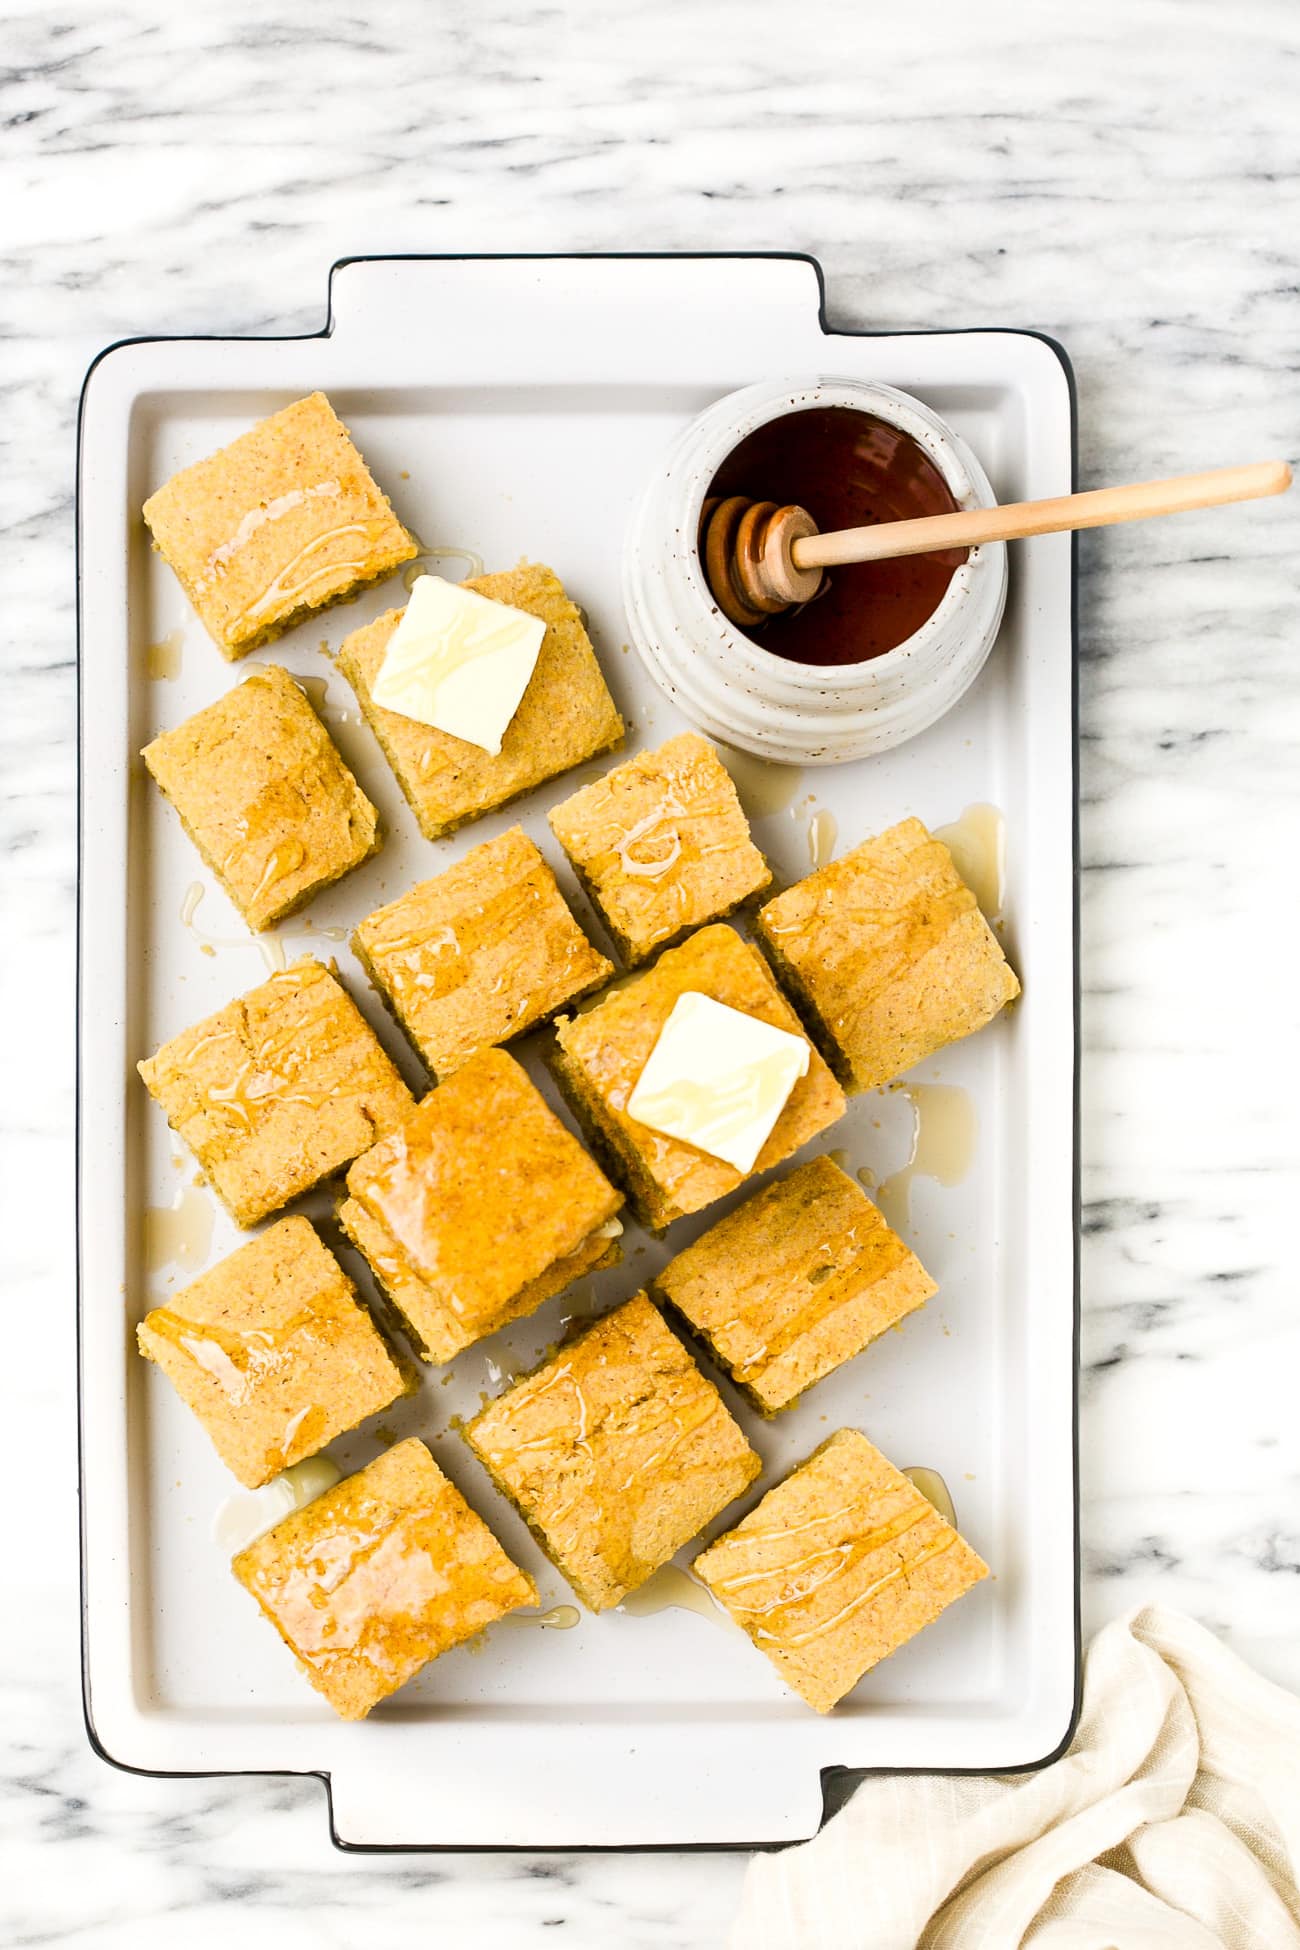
{"x":836,"y":1781}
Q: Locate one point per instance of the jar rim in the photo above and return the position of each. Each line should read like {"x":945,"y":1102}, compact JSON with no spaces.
{"x":962,"y":474}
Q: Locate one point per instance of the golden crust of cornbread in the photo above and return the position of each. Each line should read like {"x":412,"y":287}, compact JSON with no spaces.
{"x":283,"y":521}
{"x":888,"y":954}
{"x":603,"y":1051}
{"x":379,"y":1575}
{"x":265,"y":796}
{"x":279,"y":1089}
{"x":794,"y":1282}
{"x":661,"y":844}
{"x":837,"y":1567}
{"x":479,"y":954}
{"x":479,"y":1207}
{"x":565,"y":716}
{"x":272,"y":1352}
{"x":616,"y":1452}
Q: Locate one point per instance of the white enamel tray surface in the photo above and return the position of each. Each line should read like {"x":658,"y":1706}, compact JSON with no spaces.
{"x":515,"y":406}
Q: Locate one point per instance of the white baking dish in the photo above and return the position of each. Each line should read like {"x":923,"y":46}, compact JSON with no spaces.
{"x":516,"y":406}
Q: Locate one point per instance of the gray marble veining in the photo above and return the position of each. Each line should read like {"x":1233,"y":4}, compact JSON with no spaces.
{"x":1124,"y":177}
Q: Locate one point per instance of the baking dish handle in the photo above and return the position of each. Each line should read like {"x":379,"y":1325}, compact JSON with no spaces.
{"x":484,"y":1785}
{"x":743,"y":309}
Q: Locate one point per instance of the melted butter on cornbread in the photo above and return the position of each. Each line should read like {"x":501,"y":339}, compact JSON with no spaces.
{"x":718,"y":1079}
{"x":459,"y":662}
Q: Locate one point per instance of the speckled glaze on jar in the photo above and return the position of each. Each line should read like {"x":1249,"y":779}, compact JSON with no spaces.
{"x":800,"y":714}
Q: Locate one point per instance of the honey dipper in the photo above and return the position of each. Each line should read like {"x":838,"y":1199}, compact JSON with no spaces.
{"x":761,"y":558}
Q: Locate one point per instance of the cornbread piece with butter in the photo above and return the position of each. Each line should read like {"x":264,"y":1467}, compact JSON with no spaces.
{"x":282,"y":522}
{"x":794,"y":1282}
{"x":479,"y":954}
{"x":378,"y":1576}
{"x":479,"y":1207}
{"x":264,"y":795}
{"x":661,"y":844}
{"x":888,"y":955}
{"x":837,"y":1567}
{"x":565,"y":717}
{"x":616,"y":1452}
{"x":278,"y":1090}
{"x":603,"y":1051}
{"x":273,"y":1352}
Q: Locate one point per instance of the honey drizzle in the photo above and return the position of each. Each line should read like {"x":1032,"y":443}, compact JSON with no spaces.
{"x":239,"y":1360}
{"x":284,"y":593}
{"x":256,"y":518}
{"x":243,"y":1363}
{"x":276,"y":807}
{"x":470,"y":557}
{"x":843,"y":1281}
{"x":643,"y":834}
{"x":267,"y":1069}
{"x":778,"y":1621}
{"x":384,"y":1591}
{"x":653,"y":884}
{"x":567,"y":1437}
{"x":792,"y":1642}
{"x":903,"y":928}
{"x":432,"y":962}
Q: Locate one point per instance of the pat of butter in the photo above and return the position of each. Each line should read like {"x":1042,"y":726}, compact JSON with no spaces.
{"x":459,"y":662}
{"x":718,"y":1079}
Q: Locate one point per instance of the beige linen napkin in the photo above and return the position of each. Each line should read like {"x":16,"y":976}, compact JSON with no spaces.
{"x":1173,"y":1823}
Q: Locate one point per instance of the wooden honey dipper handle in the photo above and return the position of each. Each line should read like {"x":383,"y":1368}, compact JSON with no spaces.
{"x":1097,"y":508}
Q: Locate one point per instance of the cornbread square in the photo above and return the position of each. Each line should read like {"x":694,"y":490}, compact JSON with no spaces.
{"x":602,"y":1052}
{"x":379,"y":1575}
{"x":273,"y":1353}
{"x":661,"y":844}
{"x":480,"y":953}
{"x":888,"y":954}
{"x":479,"y":1207}
{"x":277,"y":1090}
{"x":837,"y":1567}
{"x":264,"y":795}
{"x":283,"y":521}
{"x":567,"y":715}
{"x":794,"y":1282}
{"x":616,"y":1452}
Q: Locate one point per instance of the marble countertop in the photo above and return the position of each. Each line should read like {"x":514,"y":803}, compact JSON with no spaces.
{"x":1124,"y":179}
